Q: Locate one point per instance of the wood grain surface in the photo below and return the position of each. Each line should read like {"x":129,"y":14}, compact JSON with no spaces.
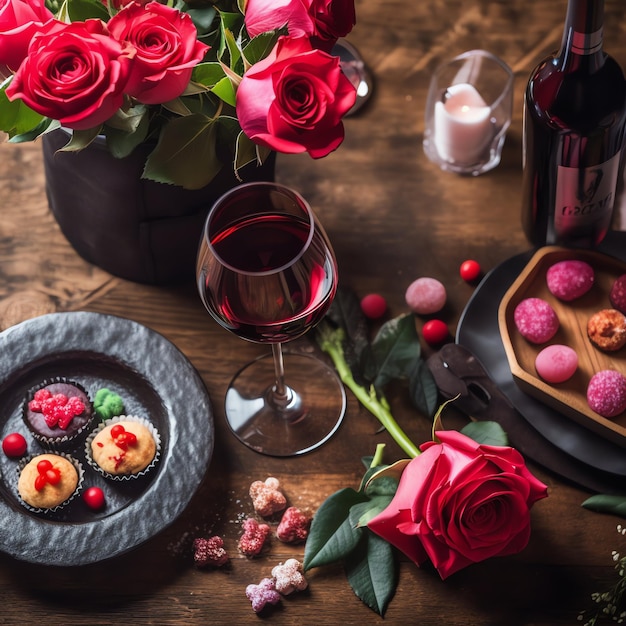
{"x":392,"y":216}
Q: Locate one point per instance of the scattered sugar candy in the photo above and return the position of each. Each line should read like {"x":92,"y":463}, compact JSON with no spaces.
{"x":536,"y":320}
{"x":556,"y":363}
{"x":425,"y":296}
{"x":288,"y":577}
{"x":267,"y":498}
{"x":293,"y":526}
{"x":253,"y":538}
{"x":373,"y":306}
{"x":209,"y":552}
{"x":570,"y":279}
{"x":606,"y":393}
{"x":262,"y":594}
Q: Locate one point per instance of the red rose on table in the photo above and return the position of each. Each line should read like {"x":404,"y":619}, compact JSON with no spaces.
{"x":19,"y":21}
{"x":293,"y":100}
{"x":167,"y":50}
{"x":459,"y":503}
{"x":74,"y":73}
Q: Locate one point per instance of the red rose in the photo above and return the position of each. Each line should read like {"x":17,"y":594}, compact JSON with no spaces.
{"x":460,"y":502}
{"x":293,"y":100}
{"x":167,"y":50}
{"x":19,"y":21}
{"x":333,"y":19}
{"x":74,"y":73}
{"x":265,"y":15}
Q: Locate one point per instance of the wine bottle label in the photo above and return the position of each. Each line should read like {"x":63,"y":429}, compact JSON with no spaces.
{"x":586,"y":43}
{"x":585,"y":197}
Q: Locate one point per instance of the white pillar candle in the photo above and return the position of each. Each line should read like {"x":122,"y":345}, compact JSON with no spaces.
{"x":462,"y":124}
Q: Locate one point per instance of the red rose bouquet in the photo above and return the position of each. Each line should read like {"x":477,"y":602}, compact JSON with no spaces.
{"x":209,"y":84}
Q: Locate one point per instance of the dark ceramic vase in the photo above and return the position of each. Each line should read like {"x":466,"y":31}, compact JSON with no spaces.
{"x":136,"y":229}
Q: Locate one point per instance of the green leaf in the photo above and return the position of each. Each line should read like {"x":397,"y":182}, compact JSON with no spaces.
{"x":260,"y":46}
{"x":488,"y":433}
{"x":225,"y":91}
{"x":372,"y":573}
{"x":423,"y":388}
{"x":185,"y":153}
{"x":602,"y":503}
{"x":80,"y":139}
{"x":345,"y":313}
{"x":15,"y":117}
{"x":331,"y":536}
{"x":208,"y":74}
{"x":362,"y":513}
{"x":245,"y":151}
{"x":394,"y":351}
{"x":81,"y":10}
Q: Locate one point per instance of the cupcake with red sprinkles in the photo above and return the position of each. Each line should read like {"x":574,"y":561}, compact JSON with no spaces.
{"x":123,"y":448}
{"x":57,"y":412}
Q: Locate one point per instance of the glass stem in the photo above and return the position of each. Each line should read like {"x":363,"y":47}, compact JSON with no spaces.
{"x":280,"y":392}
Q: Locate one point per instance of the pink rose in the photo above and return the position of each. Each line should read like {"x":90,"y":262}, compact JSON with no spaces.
{"x":460,"y":502}
{"x":293,"y":100}
{"x":167,"y":50}
{"x":74,"y":73}
{"x":19,"y":21}
{"x":266,"y":15}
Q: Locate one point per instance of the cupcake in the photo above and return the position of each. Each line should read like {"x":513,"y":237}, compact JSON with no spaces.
{"x":123,"y":447}
{"x":57,"y":412}
{"x":47,"y":482}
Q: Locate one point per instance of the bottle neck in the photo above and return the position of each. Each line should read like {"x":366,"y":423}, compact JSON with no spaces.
{"x":582,"y":35}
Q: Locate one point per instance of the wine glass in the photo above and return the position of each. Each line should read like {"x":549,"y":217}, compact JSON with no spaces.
{"x":267,"y":273}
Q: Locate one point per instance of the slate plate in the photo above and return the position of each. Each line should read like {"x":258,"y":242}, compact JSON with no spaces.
{"x":478,"y":330}
{"x":156,"y":381}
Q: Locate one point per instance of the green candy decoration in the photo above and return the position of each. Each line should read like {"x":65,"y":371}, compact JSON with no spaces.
{"x":107,"y":404}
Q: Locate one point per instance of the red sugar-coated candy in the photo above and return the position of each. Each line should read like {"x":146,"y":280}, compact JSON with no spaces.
{"x":569,"y":280}
{"x":435,"y":332}
{"x":294,"y":526}
{"x":253,"y":538}
{"x":606,"y":393}
{"x":373,"y":306}
{"x":14,"y":445}
{"x":470,"y":270}
{"x":536,"y":320}
{"x":209,"y":552}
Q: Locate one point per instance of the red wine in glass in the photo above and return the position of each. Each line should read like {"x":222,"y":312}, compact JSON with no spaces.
{"x":267,"y":273}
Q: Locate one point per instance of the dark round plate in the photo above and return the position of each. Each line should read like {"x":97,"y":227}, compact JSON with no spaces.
{"x":479,"y":332}
{"x":156,"y":381}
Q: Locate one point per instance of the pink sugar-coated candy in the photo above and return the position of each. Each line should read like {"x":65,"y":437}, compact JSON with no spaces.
{"x":536,"y":320}
{"x":606,"y":393}
{"x":425,"y":296}
{"x":568,"y":280}
{"x":556,"y":363}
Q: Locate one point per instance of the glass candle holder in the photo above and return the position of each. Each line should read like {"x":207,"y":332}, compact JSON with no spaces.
{"x":468,"y":111}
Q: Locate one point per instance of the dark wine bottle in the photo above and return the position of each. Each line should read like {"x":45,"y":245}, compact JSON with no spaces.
{"x":574,"y":120}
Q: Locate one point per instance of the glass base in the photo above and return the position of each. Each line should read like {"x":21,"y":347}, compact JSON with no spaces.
{"x":310,"y":414}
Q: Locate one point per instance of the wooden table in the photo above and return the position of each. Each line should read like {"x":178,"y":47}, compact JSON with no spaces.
{"x":392,"y":216}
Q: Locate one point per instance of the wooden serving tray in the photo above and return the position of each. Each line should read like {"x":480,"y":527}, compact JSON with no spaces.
{"x":570,"y":397}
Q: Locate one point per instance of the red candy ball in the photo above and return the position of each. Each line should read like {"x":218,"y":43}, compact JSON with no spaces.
{"x":94,"y":498}
{"x":470,"y":270}
{"x":435,"y":332}
{"x":373,"y":306}
{"x":14,"y":445}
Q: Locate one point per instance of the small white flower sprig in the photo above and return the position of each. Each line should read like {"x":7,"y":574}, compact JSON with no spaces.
{"x":610,"y":604}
